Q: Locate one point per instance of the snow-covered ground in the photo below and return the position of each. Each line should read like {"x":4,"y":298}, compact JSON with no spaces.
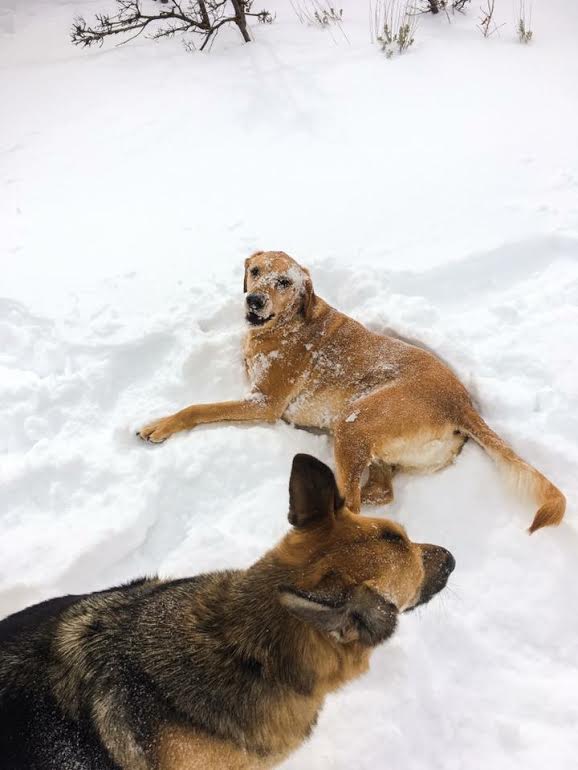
{"x":434,"y":193}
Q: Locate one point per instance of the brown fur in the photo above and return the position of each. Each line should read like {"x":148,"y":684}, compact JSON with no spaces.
{"x":390,"y":405}
{"x":226,"y":671}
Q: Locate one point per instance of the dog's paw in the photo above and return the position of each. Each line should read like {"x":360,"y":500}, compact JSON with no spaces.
{"x":377,"y":501}
{"x":376,"y":496}
{"x":158,"y":431}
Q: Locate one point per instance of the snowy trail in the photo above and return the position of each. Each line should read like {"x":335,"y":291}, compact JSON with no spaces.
{"x":433,"y":199}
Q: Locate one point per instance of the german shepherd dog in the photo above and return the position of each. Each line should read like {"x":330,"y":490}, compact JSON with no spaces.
{"x":223,"y":671}
{"x":390,"y":405}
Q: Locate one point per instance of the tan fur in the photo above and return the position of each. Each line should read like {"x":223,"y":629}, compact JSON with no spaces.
{"x":526,"y":480}
{"x":182,"y":749}
{"x":352,"y":549}
{"x":388,"y":404}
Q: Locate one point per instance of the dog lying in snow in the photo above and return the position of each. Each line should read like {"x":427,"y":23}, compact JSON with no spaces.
{"x":390,"y":405}
{"x":225,"y":671}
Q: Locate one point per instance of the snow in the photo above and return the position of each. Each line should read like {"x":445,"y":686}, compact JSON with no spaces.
{"x":435,"y":193}
{"x":259,"y":366}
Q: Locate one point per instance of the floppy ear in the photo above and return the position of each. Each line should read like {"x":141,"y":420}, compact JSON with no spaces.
{"x":309,"y":297}
{"x":245,"y":275}
{"x":254,"y":254}
{"x":313,"y":493}
{"x":324,"y":617}
{"x":362,"y":616}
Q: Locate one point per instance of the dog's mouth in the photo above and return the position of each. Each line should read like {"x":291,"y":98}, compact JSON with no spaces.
{"x":257,"y":320}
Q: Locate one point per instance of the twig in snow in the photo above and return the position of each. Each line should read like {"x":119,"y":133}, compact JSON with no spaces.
{"x":487,"y":25}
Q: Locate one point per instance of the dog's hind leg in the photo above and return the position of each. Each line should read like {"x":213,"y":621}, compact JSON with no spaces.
{"x":378,"y":489}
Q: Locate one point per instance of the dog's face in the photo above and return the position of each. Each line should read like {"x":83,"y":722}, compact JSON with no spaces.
{"x":276,"y":288}
{"x":356,"y":574}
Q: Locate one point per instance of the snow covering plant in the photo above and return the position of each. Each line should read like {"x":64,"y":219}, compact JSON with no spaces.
{"x":165,"y":18}
{"x":393,"y":24}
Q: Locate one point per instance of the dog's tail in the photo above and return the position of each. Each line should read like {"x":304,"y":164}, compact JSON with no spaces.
{"x":522,"y":475}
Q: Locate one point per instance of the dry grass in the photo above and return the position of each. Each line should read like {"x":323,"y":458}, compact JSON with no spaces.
{"x":524,"y":25}
{"x":392,"y":25}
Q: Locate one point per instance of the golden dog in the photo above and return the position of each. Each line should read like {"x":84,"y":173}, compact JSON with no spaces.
{"x":390,"y":405}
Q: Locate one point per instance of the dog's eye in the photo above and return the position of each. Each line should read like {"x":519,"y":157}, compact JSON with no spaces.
{"x":254,"y":271}
{"x":390,"y":536}
{"x":284,"y":283}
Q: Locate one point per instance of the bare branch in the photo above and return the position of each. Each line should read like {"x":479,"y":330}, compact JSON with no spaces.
{"x":201,"y":17}
{"x":487,"y":25}
{"x":436,"y":6}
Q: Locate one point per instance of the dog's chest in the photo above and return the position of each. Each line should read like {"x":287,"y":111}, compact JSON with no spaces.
{"x":274,"y":366}
{"x":258,"y":366}
{"x":313,"y":409}
{"x":279,"y":730}
{"x":312,"y":380}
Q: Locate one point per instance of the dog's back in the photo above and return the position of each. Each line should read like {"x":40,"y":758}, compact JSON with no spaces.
{"x":90,"y":682}
{"x":53,"y":681}
{"x":26,"y":698}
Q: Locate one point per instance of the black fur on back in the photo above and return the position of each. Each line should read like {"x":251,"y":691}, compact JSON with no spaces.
{"x":54,"y":742}
{"x":77,"y":672}
{"x":36,"y":730}
{"x":89,"y":682}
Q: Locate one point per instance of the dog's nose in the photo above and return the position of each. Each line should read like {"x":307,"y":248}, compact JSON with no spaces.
{"x":255,"y":301}
{"x":448,"y":563}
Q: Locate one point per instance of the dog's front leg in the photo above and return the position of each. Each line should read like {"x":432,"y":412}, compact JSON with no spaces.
{"x":258,"y":408}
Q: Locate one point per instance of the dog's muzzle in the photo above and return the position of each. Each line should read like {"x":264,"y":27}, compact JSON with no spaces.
{"x":255,"y":303}
{"x":439,"y":564}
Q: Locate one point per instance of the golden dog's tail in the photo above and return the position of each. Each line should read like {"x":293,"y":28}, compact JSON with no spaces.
{"x":520,"y":474}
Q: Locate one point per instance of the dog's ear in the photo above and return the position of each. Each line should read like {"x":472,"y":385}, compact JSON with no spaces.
{"x":245,"y":274}
{"x":308,"y":298}
{"x":313,"y":493}
{"x":359,"y":615}
{"x":247,"y":261}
